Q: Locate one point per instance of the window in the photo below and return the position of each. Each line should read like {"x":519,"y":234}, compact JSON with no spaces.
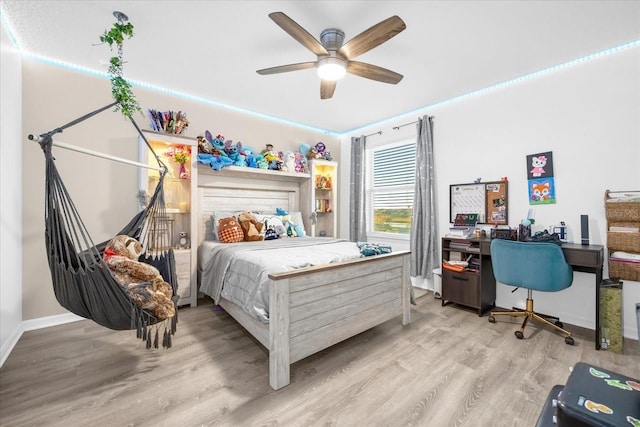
{"x":390,"y":186}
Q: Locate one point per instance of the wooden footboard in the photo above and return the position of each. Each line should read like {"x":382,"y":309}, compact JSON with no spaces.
{"x":316,"y":307}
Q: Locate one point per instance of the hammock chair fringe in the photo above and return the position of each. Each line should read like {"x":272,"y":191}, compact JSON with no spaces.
{"x":82,"y":281}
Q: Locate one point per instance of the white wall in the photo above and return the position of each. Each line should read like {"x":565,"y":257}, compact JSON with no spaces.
{"x":10,"y":196}
{"x":588,"y":115}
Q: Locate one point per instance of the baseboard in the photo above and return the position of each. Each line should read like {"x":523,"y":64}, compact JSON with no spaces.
{"x":31,"y":325}
{"x":47,"y":322}
{"x":8,"y":346}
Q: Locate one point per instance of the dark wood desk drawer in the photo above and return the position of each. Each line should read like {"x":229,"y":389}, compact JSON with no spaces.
{"x":577,"y":256}
{"x":462,"y":288}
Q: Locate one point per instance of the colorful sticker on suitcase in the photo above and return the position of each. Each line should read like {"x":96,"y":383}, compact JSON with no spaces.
{"x":618,"y":384}
{"x":597,"y":407}
{"x":598,"y":374}
{"x":633,"y":421}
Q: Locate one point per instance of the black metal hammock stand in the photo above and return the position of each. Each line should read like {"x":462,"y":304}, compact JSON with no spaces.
{"x":82,"y":281}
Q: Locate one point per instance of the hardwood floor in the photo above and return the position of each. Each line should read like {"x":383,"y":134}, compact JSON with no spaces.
{"x":449,"y":367}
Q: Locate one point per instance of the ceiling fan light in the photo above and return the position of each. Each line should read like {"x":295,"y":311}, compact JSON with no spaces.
{"x":331,"y":68}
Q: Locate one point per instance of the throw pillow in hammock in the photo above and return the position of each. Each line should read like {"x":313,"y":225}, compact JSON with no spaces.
{"x":142,"y":282}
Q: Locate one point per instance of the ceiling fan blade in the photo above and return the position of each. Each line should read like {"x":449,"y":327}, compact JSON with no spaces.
{"x":287,"y":68}
{"x":298,"y":33}
{"x":372,"y":37}
{"x":373,"y":72}
{"x":327,"y":87}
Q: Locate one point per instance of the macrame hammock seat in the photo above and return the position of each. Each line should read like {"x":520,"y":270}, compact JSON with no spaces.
{"x":82,"y":281}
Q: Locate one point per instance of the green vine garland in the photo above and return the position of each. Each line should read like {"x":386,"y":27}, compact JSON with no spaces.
{"x":120,"y":88}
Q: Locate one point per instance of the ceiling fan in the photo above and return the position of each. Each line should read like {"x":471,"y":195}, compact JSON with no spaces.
{"x":335,"y":58}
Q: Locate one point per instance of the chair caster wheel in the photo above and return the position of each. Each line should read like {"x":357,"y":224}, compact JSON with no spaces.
{"x":519,"y":335}
{"x":559,"y":324}
{"x":492,"y":319}
{"x":569,"y":340}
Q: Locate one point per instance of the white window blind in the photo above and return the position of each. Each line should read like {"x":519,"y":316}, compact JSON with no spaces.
{"x":391,"y":187}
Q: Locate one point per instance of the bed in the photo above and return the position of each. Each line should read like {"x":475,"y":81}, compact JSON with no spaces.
{"x":309,"y":308}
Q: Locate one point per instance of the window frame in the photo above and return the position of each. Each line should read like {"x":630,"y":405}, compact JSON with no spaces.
{"x":370,"y":191}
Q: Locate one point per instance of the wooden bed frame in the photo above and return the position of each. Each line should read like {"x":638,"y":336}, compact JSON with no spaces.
{"x":311,"y":308}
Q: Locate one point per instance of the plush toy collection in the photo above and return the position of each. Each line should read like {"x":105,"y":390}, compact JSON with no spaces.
{"x":249,"y":227}
{"x":219,"y":153}
{"x":142,"y":282}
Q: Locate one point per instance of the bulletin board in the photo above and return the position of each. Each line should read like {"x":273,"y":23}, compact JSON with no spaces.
{"x":488,"y":199}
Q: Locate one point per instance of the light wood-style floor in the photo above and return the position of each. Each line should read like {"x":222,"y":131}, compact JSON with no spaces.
{"x":449,"y":367}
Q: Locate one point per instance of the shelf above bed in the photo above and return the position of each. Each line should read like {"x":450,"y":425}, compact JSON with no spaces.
{"x":252,"y":173}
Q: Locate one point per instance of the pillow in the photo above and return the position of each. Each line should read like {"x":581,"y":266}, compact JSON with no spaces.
{"x":296,"y":219}
{"x":229,"y":230}
{"x":215,"y":217}
{"x":273,"y":221}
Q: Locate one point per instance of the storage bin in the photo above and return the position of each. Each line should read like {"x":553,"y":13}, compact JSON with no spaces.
{"x":437,"y":282}
{"x":611,"y":337}
{"x":624,"y":270}
{"x":621,"y":210}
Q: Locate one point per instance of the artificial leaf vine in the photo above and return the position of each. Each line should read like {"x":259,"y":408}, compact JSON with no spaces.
{"x":120,"y":87}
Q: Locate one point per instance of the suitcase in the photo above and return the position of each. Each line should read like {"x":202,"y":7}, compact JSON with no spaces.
{"x":596,"y":397}
{"x":548,"y":416}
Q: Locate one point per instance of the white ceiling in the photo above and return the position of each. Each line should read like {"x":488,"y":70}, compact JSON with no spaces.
{"x":212,"y":49}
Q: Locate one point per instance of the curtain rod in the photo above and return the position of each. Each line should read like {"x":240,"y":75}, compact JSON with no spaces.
{"x":375,"y":133}
{"x":36,"y":138}
{"x":406,"y":124}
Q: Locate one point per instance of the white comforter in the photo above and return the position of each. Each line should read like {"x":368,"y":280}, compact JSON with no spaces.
{"x":238,"y":272}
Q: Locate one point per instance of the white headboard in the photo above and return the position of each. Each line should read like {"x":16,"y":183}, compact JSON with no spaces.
{"x":235,"y":194}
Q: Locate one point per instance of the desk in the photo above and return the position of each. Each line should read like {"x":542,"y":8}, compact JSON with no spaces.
{"x":582,"y":258}
{"x":587,"y":259}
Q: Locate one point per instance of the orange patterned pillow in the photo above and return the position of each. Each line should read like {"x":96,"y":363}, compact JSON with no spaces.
{"x":229,"y":230}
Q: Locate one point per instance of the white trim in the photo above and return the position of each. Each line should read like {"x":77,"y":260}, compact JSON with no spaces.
{"x":47,"y":322}
{"x":8,"y":346}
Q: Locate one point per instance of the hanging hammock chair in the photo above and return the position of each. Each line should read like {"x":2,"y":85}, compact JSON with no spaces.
{"x":82,"y":281}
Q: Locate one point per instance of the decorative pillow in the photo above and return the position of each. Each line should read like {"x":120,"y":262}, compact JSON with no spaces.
{"x":274,"y":222}
{"x":296,"y":218}
{"x":215,"y":217}
{"x":229,"y":230}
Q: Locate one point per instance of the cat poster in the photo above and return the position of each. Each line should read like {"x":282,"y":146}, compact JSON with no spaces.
{"x":540,"y":179}
{"x":540,"y":165}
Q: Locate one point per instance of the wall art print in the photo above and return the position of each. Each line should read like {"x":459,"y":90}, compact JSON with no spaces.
{"x":540,"y":179}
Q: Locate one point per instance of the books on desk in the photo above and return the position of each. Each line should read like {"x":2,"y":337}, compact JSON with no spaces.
{"x":460,"y":232}
{"x":464,"y":225}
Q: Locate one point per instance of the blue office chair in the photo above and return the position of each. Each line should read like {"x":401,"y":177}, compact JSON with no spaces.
{"x":535,"y":266}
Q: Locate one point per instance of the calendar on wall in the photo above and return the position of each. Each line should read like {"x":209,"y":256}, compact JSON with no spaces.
{"x":487,"y":199}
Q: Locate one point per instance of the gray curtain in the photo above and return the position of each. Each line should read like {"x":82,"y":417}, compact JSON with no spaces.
{"x":424,"y":224}
{"x":357,"y":218}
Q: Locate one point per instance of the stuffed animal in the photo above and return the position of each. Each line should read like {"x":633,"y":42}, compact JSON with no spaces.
{"x":271,"y":234}
{"x":217,"y":143}
{"x":289,"y":162}
{"x":229,"y":231}
{"x":250,"y":158}
{"x":142,"y":282}
{"x":233,"y":151}
{"x":204,"y":146}
{"x":250,"y":227}
{"x":216,"y":162}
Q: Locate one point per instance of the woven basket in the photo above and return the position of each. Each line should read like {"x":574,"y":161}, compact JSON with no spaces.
{"x":628,"y":242}
{"x":621,"y":211}
{"x":624,"y":270}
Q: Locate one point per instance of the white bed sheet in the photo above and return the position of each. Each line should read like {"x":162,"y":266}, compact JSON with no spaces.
{"x":238,"y":272}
